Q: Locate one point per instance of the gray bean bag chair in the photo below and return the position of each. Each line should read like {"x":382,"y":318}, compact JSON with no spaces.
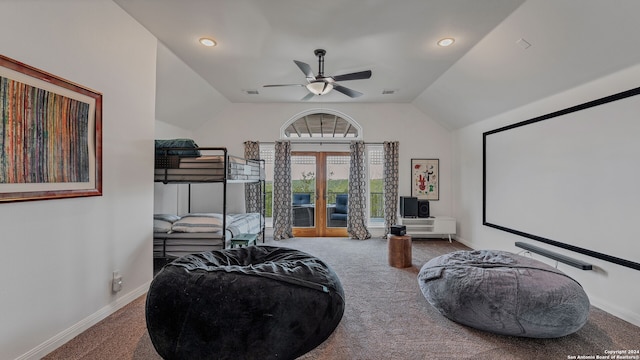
{"x":256,"y":302}
{"x":504,"y":293}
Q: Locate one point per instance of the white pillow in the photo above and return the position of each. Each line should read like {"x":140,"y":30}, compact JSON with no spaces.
{"x":200,"y":222}
{"x":161,"y":226}
{"x":166,"y":217}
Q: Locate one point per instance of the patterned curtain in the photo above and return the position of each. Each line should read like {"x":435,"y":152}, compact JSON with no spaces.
{"x":252,"y":200}
{"x":390,"y":179}
{"x":357,"y":211}
{"x":282,"y":191}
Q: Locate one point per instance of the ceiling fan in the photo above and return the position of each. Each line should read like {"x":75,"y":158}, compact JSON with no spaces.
{"x":321,"y":84}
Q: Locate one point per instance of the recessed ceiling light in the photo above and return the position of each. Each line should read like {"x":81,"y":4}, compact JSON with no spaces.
{"x":446,"y":41}
{"x":208,"y":42}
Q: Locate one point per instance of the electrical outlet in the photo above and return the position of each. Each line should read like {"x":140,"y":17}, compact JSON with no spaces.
{"x":116,"y":282}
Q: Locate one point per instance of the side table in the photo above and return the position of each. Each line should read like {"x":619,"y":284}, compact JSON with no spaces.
{"x":399,"y":250}
{"x":244,"y":240}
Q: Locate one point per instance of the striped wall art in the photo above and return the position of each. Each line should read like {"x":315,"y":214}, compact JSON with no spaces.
{"x":48,"y":135}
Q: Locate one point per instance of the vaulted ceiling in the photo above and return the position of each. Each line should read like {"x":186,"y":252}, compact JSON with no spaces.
{"x":507,"y":53}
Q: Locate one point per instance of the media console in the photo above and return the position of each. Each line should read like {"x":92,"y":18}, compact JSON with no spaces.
{"x":423,"y":228}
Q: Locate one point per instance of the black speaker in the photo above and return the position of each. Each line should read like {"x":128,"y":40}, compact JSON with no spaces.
{"x":423,"y":208}
{"x":408,"y":206}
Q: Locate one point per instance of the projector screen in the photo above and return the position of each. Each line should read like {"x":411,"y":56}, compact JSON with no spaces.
{"x":570,"y":178}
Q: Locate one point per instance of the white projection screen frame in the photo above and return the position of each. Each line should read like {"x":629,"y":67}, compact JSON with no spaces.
{"x":548,"y":178}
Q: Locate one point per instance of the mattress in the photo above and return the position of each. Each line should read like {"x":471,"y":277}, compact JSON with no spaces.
{"x":207,"y":168}
{"x":180,"y":243}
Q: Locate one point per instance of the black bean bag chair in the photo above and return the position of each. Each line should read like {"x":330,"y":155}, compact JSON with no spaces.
{"x":256,"y":302}
{"x":504,"y":293}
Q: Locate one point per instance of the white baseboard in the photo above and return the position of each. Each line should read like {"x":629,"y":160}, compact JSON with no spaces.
{"x":64,"y":336}
{"x":463,"y":241}
{"x":376,"y":232}
{"x":623,"y":314}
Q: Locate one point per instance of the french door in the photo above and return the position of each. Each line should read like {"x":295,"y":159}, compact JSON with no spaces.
{"x":320,"y":184}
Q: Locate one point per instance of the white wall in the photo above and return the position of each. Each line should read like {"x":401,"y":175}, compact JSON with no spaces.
{"x":168,"y":199}
{"x":184,"y":101}
{"x":419,"y":136}
{"x":59,"y":255}
{"x":169,"y":131}
{"x":183,"y":98}
{"x":609,"y":286}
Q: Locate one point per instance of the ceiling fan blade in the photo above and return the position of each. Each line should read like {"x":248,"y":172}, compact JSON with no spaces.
{"x":346,"y":91}
{"x":308,"y":97}
{"x":353,"y":76}
{"x":306,"y":69}
{"x":279,"y":85}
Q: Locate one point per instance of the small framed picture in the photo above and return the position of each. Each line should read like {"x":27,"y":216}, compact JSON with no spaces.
{"x":424,"y":179}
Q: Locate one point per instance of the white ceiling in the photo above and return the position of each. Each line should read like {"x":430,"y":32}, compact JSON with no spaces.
{"x":484,"y":73}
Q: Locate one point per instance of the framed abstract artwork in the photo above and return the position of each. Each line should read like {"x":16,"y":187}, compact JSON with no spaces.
{"x":424,"y":179}
{"x":50,"y":136}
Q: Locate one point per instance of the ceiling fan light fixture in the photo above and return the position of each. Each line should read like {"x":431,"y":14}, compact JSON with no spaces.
{"x":320,"y":84}
{"x":319,"y":87}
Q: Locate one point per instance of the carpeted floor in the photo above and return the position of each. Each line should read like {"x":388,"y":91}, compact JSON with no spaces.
{"x":386,"y":317}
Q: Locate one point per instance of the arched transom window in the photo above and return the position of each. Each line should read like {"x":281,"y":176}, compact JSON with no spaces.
{"x":321,"y":125}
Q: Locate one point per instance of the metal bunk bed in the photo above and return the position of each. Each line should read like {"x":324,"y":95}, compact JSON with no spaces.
{"x":193,"y":165}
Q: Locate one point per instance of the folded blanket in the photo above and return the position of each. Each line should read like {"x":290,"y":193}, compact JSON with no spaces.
{"x":200,"y":222}
{"x":177,"y":143}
